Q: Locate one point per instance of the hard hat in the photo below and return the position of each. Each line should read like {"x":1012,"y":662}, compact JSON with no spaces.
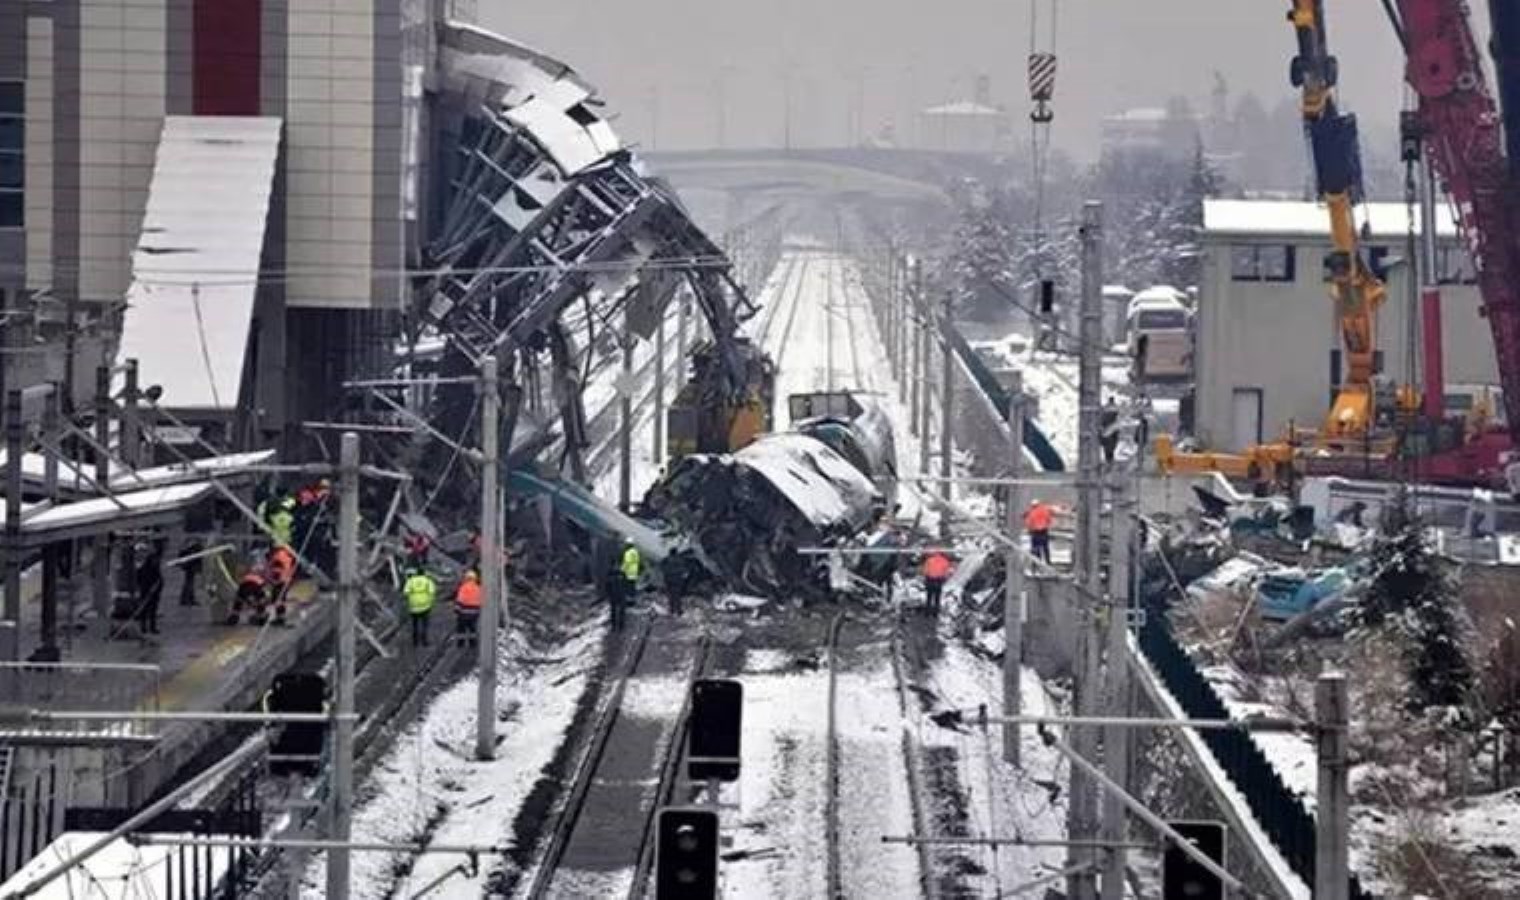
{"x":1034,"y":501}
{"x":471,"y":575}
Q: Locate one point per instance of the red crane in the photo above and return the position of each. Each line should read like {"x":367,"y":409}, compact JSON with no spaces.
{"x":1462,"y":130}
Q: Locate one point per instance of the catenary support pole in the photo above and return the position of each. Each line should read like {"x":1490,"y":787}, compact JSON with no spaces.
{"x":683,"y":324}
{"x":342,"y":795}
{"x":925,"y":389}
{"x":1332,"y":873}
{"x":1082,"y":811}
{"x":100,"y":565}
{"x":490,"y":560}
{"x":946,"y":405}
{"x":911,"y":349}
{"x":13,"y":558}
{"x":1013,"y":564}
{"x":1116,"y":740}
{"x":131,"y":417}
{"x":625,"y":420}
{"x":657,"y":452}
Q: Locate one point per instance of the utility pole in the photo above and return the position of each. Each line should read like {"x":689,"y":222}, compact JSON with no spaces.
{"x":1013,"y":580}
{"x":1116,"y":740}
{"x":1082,"y":809}
{"x":946,"y":407}
{"x":625,"y":425}
{"x":490,"y":559}
{"x":828,"y":332}
{"x":683,"y":323}
{"x":921,"y":378}
{"x":343,"y":664}
{"x":1332,"y":872}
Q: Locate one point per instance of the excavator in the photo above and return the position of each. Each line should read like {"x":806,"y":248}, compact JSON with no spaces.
{"x":1457,"y":120}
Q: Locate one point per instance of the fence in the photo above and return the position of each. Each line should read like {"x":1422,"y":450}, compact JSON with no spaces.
{"x":1280,"y":813}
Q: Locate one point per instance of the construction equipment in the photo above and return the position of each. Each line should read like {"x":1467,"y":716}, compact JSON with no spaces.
{"x":1355,"y":287}
{"x":1461,"y":127}
{"x":715,"y":412}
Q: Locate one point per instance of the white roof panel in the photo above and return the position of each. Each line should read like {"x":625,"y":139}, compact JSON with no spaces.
{"x":196,"y":266}
{"x":1299,"y":218}
{"x":569,"y":143}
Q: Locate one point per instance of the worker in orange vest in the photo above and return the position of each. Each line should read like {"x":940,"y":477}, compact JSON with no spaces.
{"x":251,"y":593}
{"x":936,"y":572}
{"x":467,"y":599}
{"x":282,"y":572}
{"x":1037,"y":521}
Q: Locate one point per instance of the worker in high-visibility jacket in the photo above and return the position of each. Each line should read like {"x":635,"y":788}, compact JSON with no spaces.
{"x":624,"y":583}
{"x":936,"y":572}
{"x":421,"y":591}
{"x":282,"y":522}
{"x":467,"y":600}
{"x":281,"y":565}
{"x":1037,"y":521}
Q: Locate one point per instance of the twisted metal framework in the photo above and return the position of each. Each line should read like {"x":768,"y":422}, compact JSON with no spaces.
{"x":538,"y":243}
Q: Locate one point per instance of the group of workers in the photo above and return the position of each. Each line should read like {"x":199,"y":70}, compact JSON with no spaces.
{"x":295,"y":523}
{"x":419,"y":591}
{"x":936,"y":567}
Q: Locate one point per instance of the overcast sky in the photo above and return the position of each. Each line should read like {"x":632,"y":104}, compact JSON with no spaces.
{"x":666,"y":66}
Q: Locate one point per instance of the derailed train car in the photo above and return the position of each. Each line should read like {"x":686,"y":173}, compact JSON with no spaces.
{"x":745,"y":514}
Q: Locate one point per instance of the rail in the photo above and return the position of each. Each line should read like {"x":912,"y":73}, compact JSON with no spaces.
{"x":670,"y":769}
{"x":928,"y":886}
{"x":568,"y":814}
{"x":831,"y":763}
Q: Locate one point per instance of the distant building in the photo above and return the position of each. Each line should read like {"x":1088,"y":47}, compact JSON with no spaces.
{"x":1268,"y":350}
{"x":967,"y":126}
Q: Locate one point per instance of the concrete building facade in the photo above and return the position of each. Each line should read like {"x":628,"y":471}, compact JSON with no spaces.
{"x":85,"y":86}
{"x":1268,"y":345}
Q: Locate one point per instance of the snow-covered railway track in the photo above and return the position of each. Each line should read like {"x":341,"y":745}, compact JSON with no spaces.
{"x":928,"y":880}
{"x":831,"y":765}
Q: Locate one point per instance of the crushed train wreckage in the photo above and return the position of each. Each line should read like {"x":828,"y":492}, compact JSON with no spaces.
{"x":745,"y":515}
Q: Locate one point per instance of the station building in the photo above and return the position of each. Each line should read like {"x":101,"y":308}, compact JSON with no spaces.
{"x":1268,"y":344}
{"x":157,"y":156}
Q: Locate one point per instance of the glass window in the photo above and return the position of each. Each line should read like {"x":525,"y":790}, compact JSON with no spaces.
{"x":1251,"y":262}
{"x":1162,"y":320}
{"x":1243,"y":263}
{"x":12,"y":97}
{"x":12,"y":170}
{"x":11,"y":209}
{"x":12,"y":133}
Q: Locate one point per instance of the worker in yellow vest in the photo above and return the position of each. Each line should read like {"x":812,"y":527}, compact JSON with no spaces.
{"x":624,"y":583}
{"x":421,"y":591}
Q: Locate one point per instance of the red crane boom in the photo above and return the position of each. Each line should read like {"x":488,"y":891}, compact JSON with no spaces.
{"x":1462,"y":130}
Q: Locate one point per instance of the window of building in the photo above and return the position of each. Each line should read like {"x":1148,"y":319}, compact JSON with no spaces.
{"x":1454,"y":266}
{"x":12,"y":154}
{"x":1262,"y":262}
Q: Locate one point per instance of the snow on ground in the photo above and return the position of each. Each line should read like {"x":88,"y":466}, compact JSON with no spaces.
{"x":777,"y":830}
{"x":429,"y":782}
{"x":874,"y":793}
{"x":1007,"y":801}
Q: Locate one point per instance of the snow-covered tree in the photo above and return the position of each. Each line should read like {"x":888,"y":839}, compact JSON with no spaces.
{"x":1414,"y":600}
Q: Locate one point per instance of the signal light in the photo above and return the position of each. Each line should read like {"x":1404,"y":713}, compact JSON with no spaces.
{"x":686,"y":854}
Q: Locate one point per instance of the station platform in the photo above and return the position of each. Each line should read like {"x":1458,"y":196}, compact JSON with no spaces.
{"x":196,"y":663}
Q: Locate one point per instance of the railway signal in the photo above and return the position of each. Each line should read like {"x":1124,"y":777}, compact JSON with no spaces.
{"x":717,"y":715}
{"x":686,"y":855}
{"x":1184,"y":878}
{"x":297,"y":747}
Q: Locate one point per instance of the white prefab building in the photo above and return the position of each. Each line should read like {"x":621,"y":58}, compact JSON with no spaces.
{"x":1268,"y":348}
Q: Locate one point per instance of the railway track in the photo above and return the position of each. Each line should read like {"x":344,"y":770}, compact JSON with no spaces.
{"x":912,"y":761}
{"x":590,"y":832}
{"x":831,"y":764}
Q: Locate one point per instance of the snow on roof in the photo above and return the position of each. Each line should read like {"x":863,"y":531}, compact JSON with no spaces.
{"x":812,"y":477}
{"x":196,"y":266}
{"x":34,"y":470}
{"x":121,"y":870}
{"x":963,"y":108}
{"x":98,"y":510}
{"x":1300,"y":218}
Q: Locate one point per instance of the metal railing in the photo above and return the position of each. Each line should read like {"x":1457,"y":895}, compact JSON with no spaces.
{"x":105,"y":687}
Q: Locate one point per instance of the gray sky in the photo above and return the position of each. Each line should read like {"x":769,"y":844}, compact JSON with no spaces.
{"x":682,"y":56}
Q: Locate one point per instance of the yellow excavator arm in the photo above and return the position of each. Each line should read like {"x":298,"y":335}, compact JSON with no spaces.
{"x":1354,"y":287}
